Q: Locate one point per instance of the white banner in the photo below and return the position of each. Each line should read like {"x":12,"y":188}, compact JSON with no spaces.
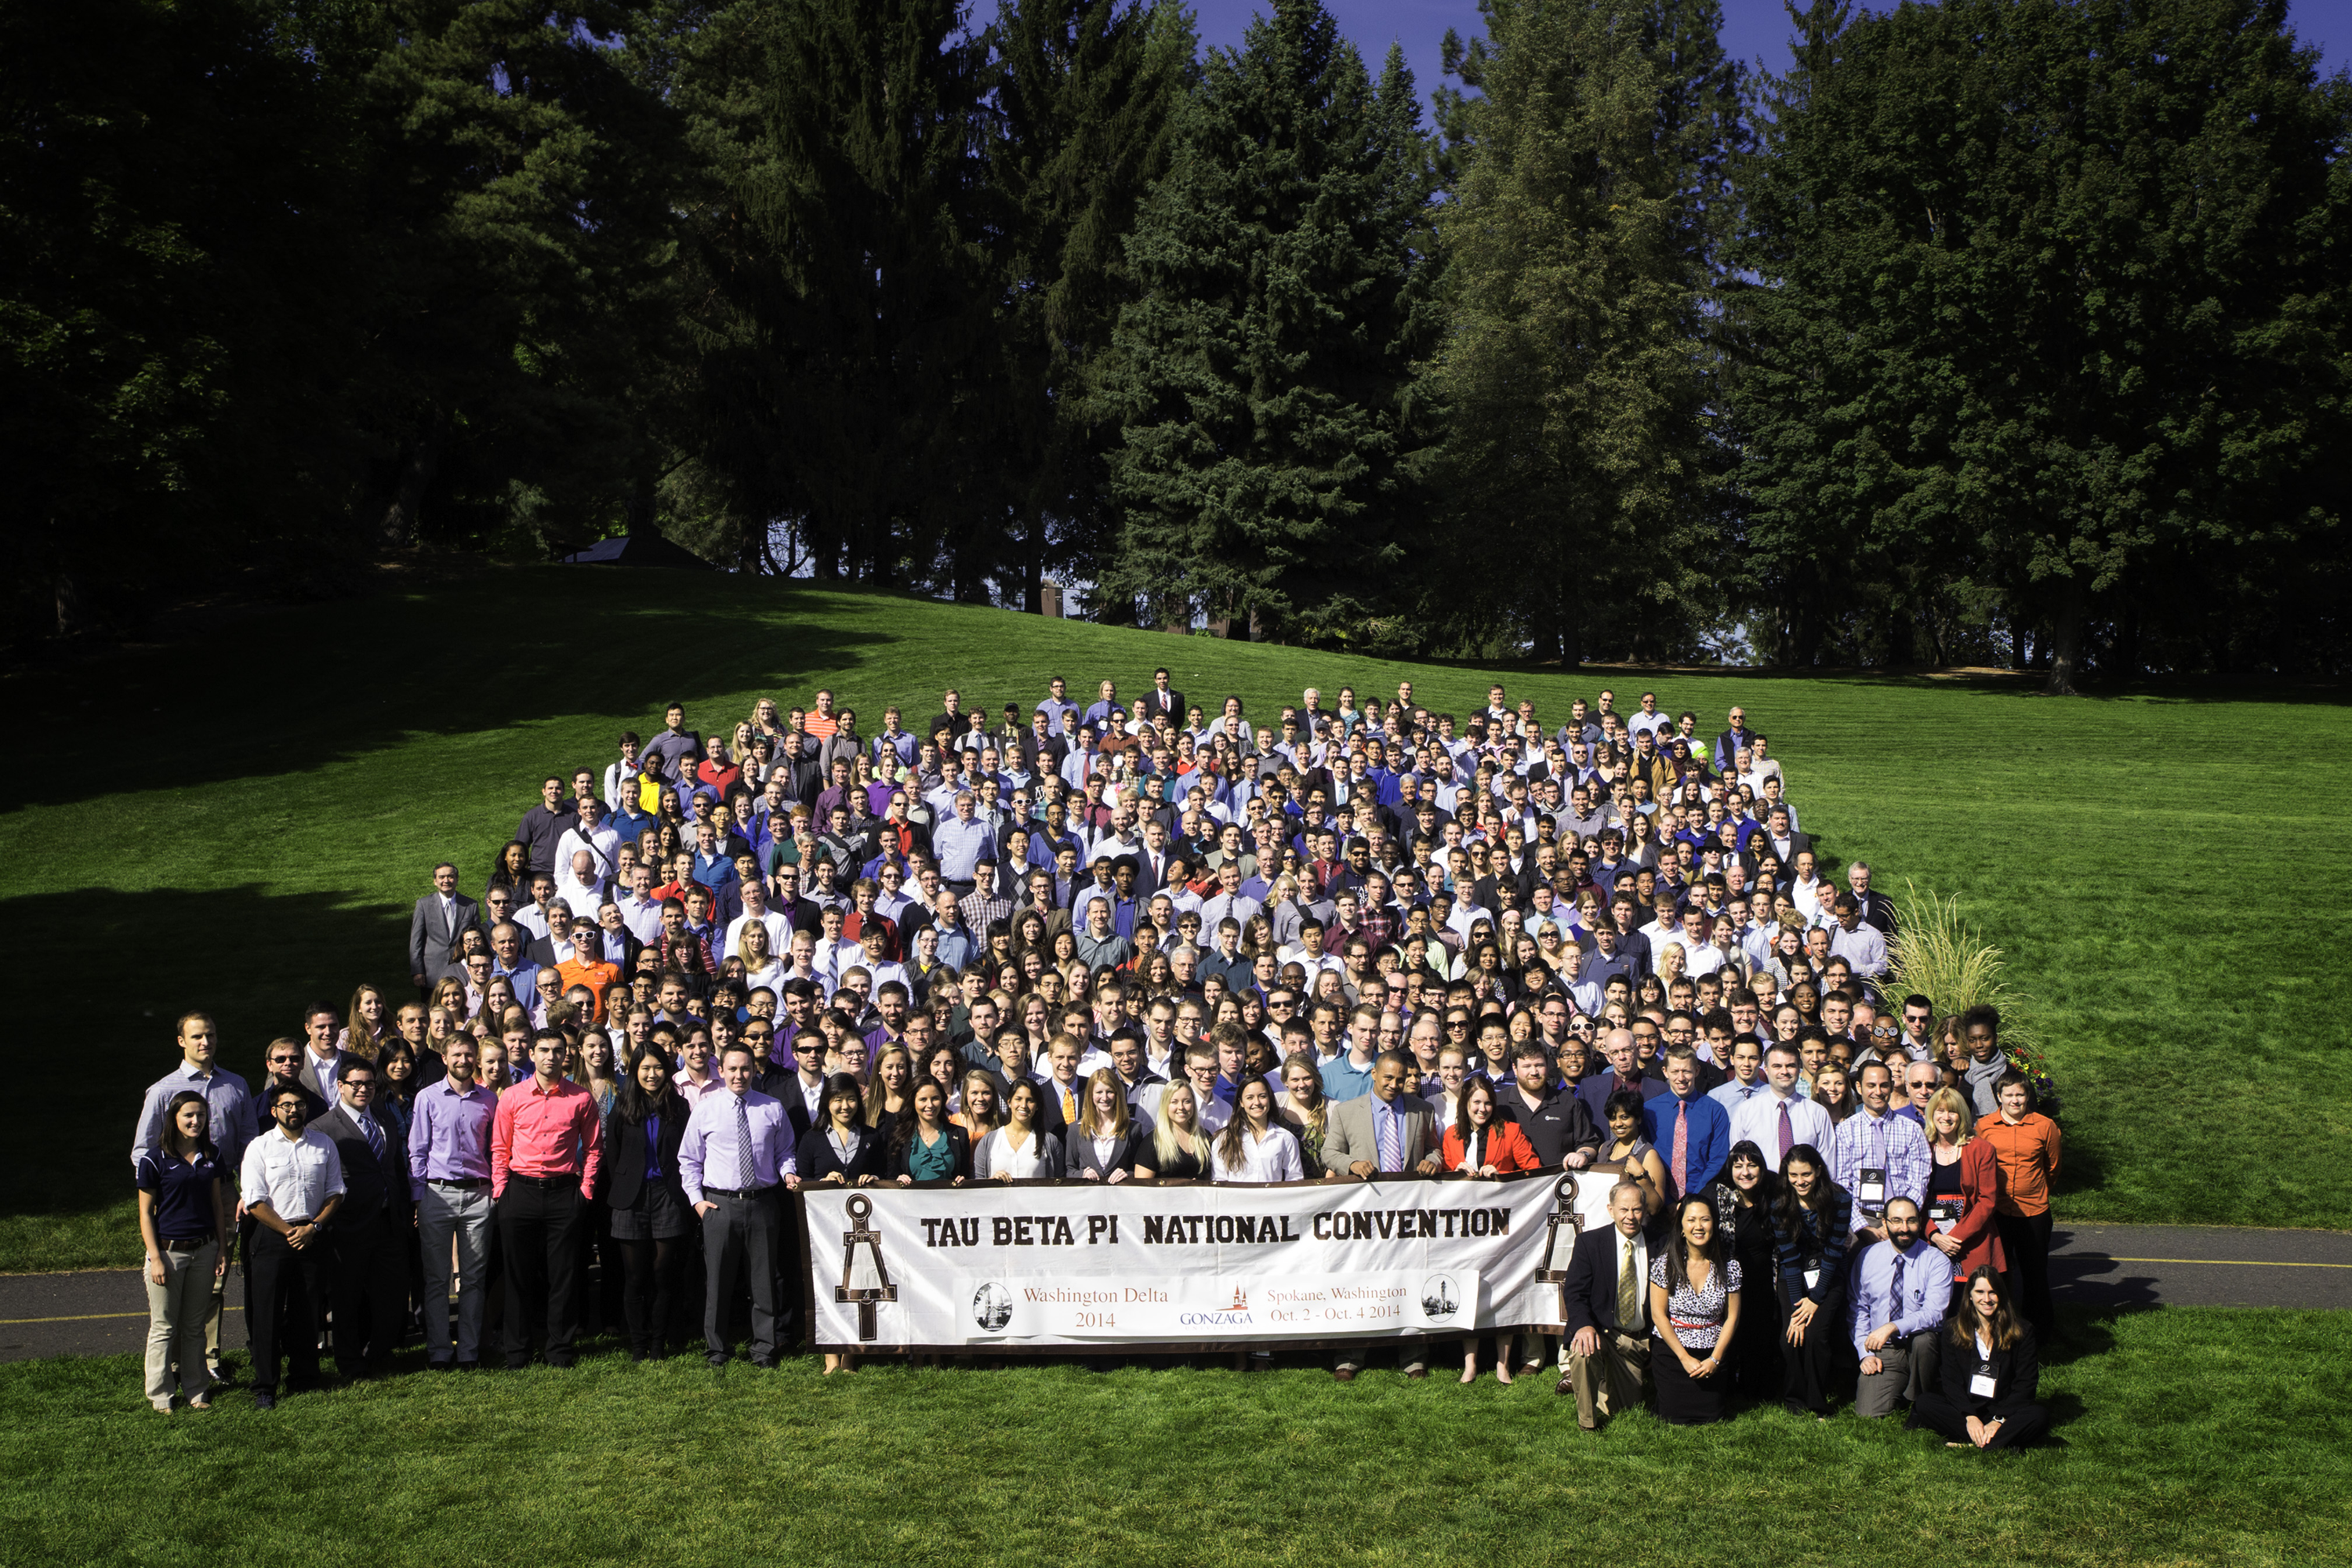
{"x":1037,"y":1265}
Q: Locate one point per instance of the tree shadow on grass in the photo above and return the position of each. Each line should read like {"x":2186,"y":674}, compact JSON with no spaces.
{"x":292,"y":689}
{"x":118,"y":969}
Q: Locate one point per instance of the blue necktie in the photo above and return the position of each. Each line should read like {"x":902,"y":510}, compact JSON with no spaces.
{"x":1392,"y":1155}
{"x":745,"y":1176}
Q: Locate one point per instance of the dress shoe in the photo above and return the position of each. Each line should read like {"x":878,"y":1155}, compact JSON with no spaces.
{"x":1567,"y":1386}
{"x":264,"y":1402}
{"x":1417,"y":1372}
{"x":1343,"y":1373}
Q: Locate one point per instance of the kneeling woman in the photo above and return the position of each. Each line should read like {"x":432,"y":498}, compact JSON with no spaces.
{"x":1695,"y":1314}
{"x":1990,"y":1375}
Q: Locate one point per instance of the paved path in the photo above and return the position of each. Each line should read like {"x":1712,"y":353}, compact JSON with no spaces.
{"x":104,"y":1312}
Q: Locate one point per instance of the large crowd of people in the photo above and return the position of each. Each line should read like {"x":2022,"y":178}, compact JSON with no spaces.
{"x":1135,"y":938}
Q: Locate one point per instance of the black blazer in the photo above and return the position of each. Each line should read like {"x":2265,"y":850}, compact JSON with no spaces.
{"x":900,"y":1158}
{"x":1592,"y":1279}
{"x":815,"y":1159}
{"x":2016,"y":1374}
{"x":370,"y":1187}
{"x":1078,"y":1155}
{"x":622,"y":1162}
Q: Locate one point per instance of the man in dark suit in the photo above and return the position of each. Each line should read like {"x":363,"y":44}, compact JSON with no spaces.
{"x":1162,"y":698}
{"x":1623,"y":1056}
{"x":367,"y":1242}
{"x":1605,"y":1356}
{"x":439,"y":918}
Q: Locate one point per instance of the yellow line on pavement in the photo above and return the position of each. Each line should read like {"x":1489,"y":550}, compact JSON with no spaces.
{"x":83,"y":1318}
{"x":2218,"y":1262}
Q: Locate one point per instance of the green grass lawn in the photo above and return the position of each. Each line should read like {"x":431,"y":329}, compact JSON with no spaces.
{"x":241,"y":823}
{"x":2188,"y":1437}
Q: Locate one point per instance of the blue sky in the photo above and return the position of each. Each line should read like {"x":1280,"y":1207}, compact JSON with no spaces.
{"x":1752,"y":28}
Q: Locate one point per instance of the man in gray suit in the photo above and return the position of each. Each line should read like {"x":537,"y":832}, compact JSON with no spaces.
{"x":433,"y":928}
{"x":1385,"y":1132}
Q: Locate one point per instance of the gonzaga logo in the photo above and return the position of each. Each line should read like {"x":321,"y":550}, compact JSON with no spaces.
{"x":1233,"y":1315}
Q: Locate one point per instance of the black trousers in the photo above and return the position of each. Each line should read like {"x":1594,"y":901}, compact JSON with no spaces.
{"x":2025,"y":1238}
{"x":369,"y":1291}
{"x":740,"y":1235}
{"x":285,"y":1296}
{"x":2021,"y":1424}
{"x":538,"y":1237}
{"x":1810,"y":1371}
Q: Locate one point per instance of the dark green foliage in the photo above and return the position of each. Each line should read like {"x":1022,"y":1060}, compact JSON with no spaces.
{"x":1585,"y":471}
{"x":2051,"y":316}
{"x":1264,"y":379}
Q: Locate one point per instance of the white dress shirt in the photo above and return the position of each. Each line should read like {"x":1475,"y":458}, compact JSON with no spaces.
{"x":1272,"y":1158}
{"x":1758,"y":1118}
{"x":295,"y":1176}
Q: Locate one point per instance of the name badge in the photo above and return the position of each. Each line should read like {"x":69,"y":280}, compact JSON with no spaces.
{"x":1871,"y":1188}
{"x":1981,"y":1386}
{"x":1945,"y":1211}
{"x":1813,"y":1278}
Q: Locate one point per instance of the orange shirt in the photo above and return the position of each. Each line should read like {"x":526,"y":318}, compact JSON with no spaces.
{"x":596,"y":977}
{"x":2028,"y":1154}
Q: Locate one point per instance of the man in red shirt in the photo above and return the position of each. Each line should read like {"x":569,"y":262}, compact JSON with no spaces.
{"x":543,"y":1148}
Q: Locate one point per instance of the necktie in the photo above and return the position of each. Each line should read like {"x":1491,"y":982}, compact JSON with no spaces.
{"x":1629,"y":1291}
{"x":1682,"y":1147}
{"x":374,"y":1135}
{"x":746,"y":1178}
{"x":1788,"y":1133}
{"x":1895,"y":1293}
{"x":1392,"y":1157}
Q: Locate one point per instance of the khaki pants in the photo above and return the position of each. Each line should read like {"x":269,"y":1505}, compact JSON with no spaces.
{"x":1904,"y":1376}
{"x":1609,"y":1380}
{"x":177,"y":1311}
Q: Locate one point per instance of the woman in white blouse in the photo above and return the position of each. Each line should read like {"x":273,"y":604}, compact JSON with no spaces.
{"x":1020,"y":1150}
{"x":761,"y":964}
{"x":1254,"y":1147}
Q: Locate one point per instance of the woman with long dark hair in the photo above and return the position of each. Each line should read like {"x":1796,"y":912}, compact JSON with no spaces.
{"x":926,"y":1146}
{"x":1742,"y":1198}
{"x":1695,"y":1287}
{"x":1989,"y":1374}
{"x":652,"y":1225}
{"x":1811,"y":1217}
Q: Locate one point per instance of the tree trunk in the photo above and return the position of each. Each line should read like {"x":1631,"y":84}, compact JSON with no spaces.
{"x":68,"y":594}
{"x":1572,"y":623}
{"x":2066,"y":657}
{"x":1032,"y":564}
{"x":402,"y":517}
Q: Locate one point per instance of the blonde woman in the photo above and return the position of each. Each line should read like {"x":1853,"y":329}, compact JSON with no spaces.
{"x":1180,"y":1150}
{"x":1671,"y":963}
{"x":761,"y":964}
{"x":1963,"y":1181}
{"x":887,"y":1102}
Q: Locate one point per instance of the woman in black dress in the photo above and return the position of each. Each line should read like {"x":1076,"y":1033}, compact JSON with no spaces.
{"x":1694,"y":1316}
{"x":1812,"y":1216}
{"x":1742,"y":1198}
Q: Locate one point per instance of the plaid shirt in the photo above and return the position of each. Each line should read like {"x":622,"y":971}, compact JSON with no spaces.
{"x":980,"y":913}
{"x":1893,"y":1143}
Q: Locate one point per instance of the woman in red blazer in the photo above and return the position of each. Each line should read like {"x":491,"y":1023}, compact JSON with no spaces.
{"x":1481,"y":1144}
{"x":1962,"y":1176}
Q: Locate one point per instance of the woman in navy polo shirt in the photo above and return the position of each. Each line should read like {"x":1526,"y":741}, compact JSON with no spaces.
{"x":183,"y":1215}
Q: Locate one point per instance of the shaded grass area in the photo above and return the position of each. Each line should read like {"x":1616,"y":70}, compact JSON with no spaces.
{"x":241,"y":824}
{"x":2190,"y":1435}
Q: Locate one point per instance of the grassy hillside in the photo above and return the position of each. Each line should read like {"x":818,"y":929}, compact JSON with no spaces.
{"x":241,"y":823}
